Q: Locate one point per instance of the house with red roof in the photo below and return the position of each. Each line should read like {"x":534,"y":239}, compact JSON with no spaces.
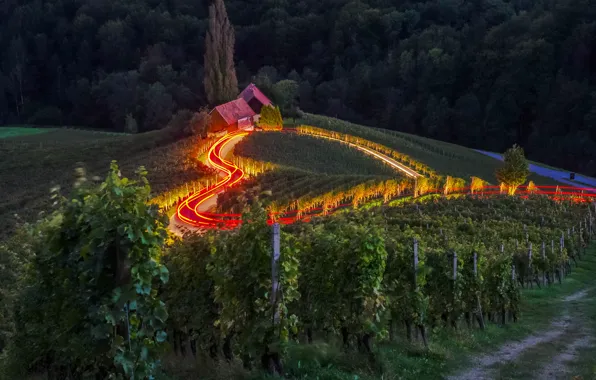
{"x":255,"y":98}
{"x":240,"y":113}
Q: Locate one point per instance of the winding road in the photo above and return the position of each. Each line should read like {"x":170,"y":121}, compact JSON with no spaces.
{"x":193,"y":212}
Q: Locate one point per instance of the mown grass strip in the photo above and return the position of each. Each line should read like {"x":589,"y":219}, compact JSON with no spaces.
{"x":6,"y":132}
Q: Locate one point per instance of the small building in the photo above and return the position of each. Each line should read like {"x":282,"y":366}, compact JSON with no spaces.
{"x":231,"y":116}
{"x":255,"y":98}
{"x":241,"y":113}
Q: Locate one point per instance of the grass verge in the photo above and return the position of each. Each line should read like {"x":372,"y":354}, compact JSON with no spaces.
{"x":11,"y":131}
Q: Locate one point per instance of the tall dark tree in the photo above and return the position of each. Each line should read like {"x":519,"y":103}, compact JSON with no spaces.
{"x":221,"y":84}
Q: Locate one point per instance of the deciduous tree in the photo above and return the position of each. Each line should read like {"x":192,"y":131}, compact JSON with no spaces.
{"x":199,"y":124}
{"x":285,"y":93}
{"x":515,"y":169}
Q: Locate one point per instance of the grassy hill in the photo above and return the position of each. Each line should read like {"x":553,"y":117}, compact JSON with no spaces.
{"x":33,"y":164}
{"x":310,"y":154}
{"x":36,"y":159}
{"x":445,"y":158}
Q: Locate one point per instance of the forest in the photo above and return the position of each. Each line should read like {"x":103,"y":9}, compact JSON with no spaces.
{"x":482,"y":73}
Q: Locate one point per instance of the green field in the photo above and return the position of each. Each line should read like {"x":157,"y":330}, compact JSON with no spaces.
{"x":33,"y":164}
{"x":445,"y":158}
{"x":10,"y":131}
{"x":310,"y":154}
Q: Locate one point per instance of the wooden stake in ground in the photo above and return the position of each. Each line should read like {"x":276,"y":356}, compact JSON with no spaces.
{"x":556,"y":269}
{"x":530,"y":274}
{"x":479,"y":317}
{"x":453,"y":319}
{"x":544,"y":263}
{"x":421,"y":327}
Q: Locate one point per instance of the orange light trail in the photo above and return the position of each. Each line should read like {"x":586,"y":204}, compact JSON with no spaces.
{"x":189,"y":212}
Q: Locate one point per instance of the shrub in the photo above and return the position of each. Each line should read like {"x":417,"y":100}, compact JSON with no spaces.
{"x":271,"y":119}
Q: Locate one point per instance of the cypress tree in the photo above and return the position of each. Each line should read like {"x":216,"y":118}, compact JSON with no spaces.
{"x":221,"y":84}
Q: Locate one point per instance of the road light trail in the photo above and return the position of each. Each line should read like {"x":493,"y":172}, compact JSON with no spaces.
{"x":190,"y":214}
{"x":188,"y":211}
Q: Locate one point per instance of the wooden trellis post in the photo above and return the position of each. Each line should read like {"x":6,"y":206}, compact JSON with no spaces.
{"x":454,"y":266}
{"x":579,"y":241}
{"x":420,"y":327}
{"x":562,"y":246}
{"x":530,"y":265}
{"x":275,"y":272}
{"x":552,"y":252}
{"x":544,"y":263}
{"x":415,"y":263}
{"x":479,"y":316}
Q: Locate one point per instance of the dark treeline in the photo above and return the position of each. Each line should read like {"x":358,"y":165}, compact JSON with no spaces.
{"x":483,"y":73}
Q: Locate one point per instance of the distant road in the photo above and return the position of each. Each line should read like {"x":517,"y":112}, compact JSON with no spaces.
{"x":558,"y":175}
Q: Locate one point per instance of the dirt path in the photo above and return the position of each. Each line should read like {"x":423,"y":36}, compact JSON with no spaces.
{"x":557,"y":367}
{"x":542,"y":356}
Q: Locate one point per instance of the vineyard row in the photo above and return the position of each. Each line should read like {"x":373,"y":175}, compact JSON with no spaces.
{"x":359,"y":275}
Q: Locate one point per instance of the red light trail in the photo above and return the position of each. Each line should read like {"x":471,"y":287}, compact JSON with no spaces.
{"x":189,"y":210}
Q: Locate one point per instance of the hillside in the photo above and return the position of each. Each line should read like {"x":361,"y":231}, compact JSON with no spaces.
{"x":484,"y":74}
{"x":372,"y":284}
{"x":310,"y":154}
{"x":367,"y":239}
{"x":34,"y":164}
{"x":444,"y":158}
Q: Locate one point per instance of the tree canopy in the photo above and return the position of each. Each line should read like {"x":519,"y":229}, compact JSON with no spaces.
{"x":515,"y":169}
{"x":221,"y":84}
{"x":486,"y":73}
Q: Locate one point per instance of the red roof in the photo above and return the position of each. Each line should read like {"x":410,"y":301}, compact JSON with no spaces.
{"x":253,"y":91}
{"x":234,"y":110}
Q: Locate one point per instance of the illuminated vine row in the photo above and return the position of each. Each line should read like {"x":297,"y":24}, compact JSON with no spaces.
{"x":400,"y":157}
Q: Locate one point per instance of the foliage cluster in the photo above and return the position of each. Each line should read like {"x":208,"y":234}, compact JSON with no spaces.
{"x":172,"y":197}
{"x":252,"y":167}
{"x":222,"y":288}
{"x":88,"y":304}
{"x":354,"y":276}
{"x":515,"y":169}
{"x":270,"y":119}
